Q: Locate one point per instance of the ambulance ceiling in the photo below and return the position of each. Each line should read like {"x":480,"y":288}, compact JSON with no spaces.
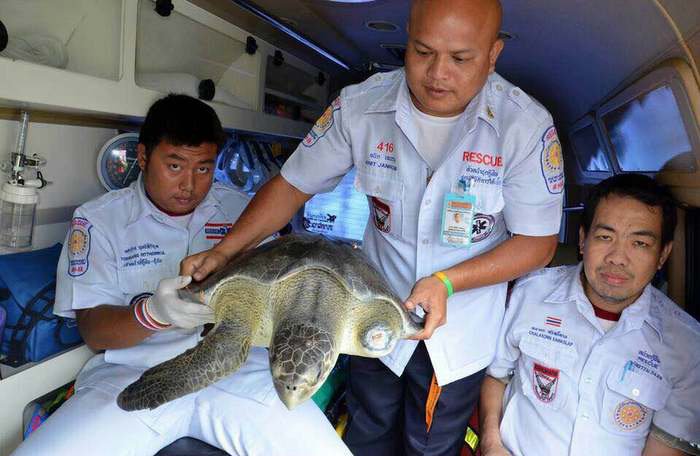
{"x":568,"y":54}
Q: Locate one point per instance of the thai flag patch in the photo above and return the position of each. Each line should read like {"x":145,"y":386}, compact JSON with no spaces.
{"x":216,"y":231}
{"x":553,"y":321}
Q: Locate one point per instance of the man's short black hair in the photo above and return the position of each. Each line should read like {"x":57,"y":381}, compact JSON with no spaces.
{"x":181,"y":120}
{"x":640,"y":187}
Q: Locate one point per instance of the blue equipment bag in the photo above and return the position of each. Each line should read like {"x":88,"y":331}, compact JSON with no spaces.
{"x":27,"y":292}
{"x":2,"y":320}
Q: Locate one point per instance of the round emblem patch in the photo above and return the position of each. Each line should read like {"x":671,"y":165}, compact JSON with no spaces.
{"x":630,"y":414}
{"x":78,"y":242}
{"x":482,"y":226}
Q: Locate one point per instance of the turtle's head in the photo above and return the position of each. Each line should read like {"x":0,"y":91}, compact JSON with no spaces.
{"x":301,"y":357}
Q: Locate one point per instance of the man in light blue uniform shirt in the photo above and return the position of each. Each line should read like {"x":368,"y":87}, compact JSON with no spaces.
{"x":596,"y":360}
{"x":115,"y":275}
{"x":444,"y":136}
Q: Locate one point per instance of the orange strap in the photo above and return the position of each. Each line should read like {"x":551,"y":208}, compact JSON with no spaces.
{"x":431,"y":402}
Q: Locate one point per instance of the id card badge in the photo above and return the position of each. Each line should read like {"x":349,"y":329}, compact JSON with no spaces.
{"x":457,"y":219}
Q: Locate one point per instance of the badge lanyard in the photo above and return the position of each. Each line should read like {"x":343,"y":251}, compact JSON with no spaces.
{"x":458,"y":215}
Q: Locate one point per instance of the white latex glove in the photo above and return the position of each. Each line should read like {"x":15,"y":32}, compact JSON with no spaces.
{"x":166,"y":307}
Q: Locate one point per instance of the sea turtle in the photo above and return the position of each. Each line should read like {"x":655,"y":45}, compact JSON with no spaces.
{"x":306,"y":297}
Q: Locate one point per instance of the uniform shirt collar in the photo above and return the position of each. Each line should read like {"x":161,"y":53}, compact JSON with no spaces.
{"x":143,"y":206}
{"x":398,"y":99}
{"x":633,"y":317}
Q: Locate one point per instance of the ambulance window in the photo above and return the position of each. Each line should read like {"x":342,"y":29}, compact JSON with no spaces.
{"x":341,"y":213}
{"x":648,"y":133}
{"x":692,"y":268}
{"x":588,"y":150}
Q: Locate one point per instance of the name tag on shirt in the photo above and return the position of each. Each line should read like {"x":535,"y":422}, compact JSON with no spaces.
{"x":457,"y":219}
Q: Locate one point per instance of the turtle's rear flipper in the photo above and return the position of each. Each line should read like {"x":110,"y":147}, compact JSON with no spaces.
{"x":217,"y":355}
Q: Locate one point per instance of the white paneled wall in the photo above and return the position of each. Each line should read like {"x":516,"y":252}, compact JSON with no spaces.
{"x":71,"y":153}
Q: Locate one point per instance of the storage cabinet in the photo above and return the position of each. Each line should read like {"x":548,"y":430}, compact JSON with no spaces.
{"x":113,"y":58}
{"x":179,"y":54}
{"x":81,"y":36}
{"x":294,"y":92}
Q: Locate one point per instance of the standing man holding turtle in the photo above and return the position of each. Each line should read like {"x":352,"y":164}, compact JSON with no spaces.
{"x":114,"y":276}
{"x":445,"y":135}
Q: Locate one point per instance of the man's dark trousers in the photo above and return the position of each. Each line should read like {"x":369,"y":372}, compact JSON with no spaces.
{"x":387,"y":413}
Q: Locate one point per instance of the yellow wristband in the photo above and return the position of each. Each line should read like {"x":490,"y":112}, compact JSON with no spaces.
{"x":443,"y":277}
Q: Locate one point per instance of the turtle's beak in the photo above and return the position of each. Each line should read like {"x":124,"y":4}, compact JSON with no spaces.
{"x":289,"y":397}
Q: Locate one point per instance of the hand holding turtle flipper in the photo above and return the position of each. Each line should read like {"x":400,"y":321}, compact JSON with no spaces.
{"x":430,"y":294}
{"x":168,"y":309}
{"x":200,"y":265}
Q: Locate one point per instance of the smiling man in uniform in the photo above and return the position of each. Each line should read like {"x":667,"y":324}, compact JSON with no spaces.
{"x":595,"y":359}
{"x":446,"y":134}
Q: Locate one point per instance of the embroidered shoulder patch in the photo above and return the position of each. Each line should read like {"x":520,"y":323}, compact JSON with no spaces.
{"x":323,"y":124}
{"x":552,"y":161}
{"x":79,"y":246}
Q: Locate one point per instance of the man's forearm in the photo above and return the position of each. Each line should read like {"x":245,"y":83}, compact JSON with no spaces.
{"x":511,"y":259}
{"x":490,"y":406}
{"x":269,"y":211}
{"x":661,"y":443}
{"x":110,"y":327}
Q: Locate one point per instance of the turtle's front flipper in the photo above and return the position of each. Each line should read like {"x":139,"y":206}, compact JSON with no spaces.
{"x":217,"y":355}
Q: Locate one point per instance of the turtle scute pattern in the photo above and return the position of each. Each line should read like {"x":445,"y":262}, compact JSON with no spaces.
{"x":299,"y":350}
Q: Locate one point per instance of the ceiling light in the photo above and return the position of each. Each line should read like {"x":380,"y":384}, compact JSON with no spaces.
{"x":381,"y":26}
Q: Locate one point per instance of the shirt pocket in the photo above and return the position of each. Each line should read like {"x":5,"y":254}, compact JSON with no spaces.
{"x":489,"y":197}
{"x":135,"y":280}
{"x":545,"y":371}
{"x":385,"y":202}
{"x":629,"y":401}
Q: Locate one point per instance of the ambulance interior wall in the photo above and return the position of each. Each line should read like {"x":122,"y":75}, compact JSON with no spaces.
{"x":71,"y":154}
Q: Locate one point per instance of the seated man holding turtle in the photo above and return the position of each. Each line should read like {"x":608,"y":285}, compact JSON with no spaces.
{"x":112,"y":276}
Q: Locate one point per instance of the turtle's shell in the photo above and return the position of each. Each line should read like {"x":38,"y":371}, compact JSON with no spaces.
{"x":281,"y":257}
{"x":306,"y":297}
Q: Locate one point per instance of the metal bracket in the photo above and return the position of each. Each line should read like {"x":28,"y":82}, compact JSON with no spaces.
{"x":164,"y":7}
{"x":278,"y":59}
{"x":206,"y":89}
{"x":3,"y":37}
{"x":251,"y":45}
